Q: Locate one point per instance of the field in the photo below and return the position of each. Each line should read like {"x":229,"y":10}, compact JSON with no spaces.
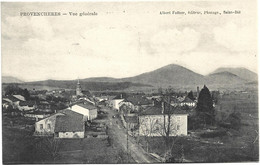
{"x":19,"y":146}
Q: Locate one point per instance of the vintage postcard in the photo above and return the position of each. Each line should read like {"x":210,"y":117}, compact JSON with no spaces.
{"x":129,"y":82}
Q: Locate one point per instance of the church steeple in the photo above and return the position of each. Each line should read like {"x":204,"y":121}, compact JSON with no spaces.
{"x":78,"y":89}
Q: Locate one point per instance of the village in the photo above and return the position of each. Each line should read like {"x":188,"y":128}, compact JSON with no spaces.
{"x":144,"y":128}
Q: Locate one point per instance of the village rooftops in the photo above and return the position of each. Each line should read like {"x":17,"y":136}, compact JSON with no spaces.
{"x":138,"y":100}
{"x":70,"y":122}
{"x":156,"y":110}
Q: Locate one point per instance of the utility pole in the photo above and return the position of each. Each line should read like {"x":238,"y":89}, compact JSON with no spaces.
{"x":127,"y":147}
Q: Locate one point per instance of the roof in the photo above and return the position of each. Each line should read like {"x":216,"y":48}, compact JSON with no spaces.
{"x":19,"y":97}
{"x":131,"y":119}
{"x":4,"y":101}
{"x":156,"y":110}
{"x":39,"y":113}
{"x":11,"y":98}
{"x":188,"y":100}
{"x":71,"y":122}
{"x":87,"y":106}
{"x":174,"y":100}
{"x":120,"y":96}
{"x":138,"y":100}
{"x":27,"y":103}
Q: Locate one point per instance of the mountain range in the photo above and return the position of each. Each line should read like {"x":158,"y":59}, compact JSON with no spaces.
{"x":170,"y":75}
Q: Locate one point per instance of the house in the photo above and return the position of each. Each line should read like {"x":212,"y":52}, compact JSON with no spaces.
{"x":6,"y":104}
{"x":188,"y":102}
{"x":70,"y":125}
{"x":44,"y":105}
{"x":12,"y":100}
{"x":26,"y":105}
{"x":131,"y":121}
{"x":64,"y":124}
{"x":175,"y":101}
{"x":154,"y":119}
{"x":136,"y":102}
{"x":117,"y":100}
{"x":45,"y":127}
{"x":19,"y":97}
{"x":37,"y":115}
{"x":88,"y":110}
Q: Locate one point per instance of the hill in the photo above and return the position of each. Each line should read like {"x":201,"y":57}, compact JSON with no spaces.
{"x":10,"y":79}
{"x":170,"y":75}
{"x":100,"y":79}
{"x":224,"y":78}
{"x":178,"y":77}
{"x":87,"y":85}
{"x":240,"y":72}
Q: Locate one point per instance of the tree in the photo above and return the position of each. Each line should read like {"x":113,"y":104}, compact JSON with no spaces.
{"x":26,"y":94}
{"x":191,"y":96}
{"x":14,"y":89}
{"x":49,"y":147}
{"x":167,"y":131}
{"x":204,"y":109}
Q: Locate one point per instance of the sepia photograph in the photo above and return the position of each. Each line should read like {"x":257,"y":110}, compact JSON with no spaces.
{"x":128,"y":82}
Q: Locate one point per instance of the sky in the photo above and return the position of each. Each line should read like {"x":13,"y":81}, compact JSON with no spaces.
{"x":125,"y":38}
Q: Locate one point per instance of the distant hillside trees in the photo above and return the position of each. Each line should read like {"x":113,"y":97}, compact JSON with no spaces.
{"x":204,"y":110}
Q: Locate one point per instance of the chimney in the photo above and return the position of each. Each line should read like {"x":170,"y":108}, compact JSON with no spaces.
{"x":162,"y":107}
{"x":36,"y":118}
{"x":198,"y":92}
{"x":153,"y":103}
{"x":55,"y":111}
{"x":121,"y":95}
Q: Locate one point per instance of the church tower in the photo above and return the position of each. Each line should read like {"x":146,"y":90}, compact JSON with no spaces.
{"x":78,"y":89}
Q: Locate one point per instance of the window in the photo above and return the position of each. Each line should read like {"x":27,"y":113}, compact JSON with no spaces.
{"x":41,"y":126}
{"x":49,"y":126}
{"x":178,"y":127}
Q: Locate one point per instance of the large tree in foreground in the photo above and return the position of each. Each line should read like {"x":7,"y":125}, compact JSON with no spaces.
{"x":204,"y":109}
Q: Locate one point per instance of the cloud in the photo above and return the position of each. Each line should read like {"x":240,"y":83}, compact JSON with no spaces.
{"x":236,"y":38}
{"x":27,"y":27}
{"x":173,"y":40}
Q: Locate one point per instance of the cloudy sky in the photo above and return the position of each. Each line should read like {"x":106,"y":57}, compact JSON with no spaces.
{"x":126,"y":39}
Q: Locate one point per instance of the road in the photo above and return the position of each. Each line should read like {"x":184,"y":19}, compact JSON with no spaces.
{"x":135,"y":151}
